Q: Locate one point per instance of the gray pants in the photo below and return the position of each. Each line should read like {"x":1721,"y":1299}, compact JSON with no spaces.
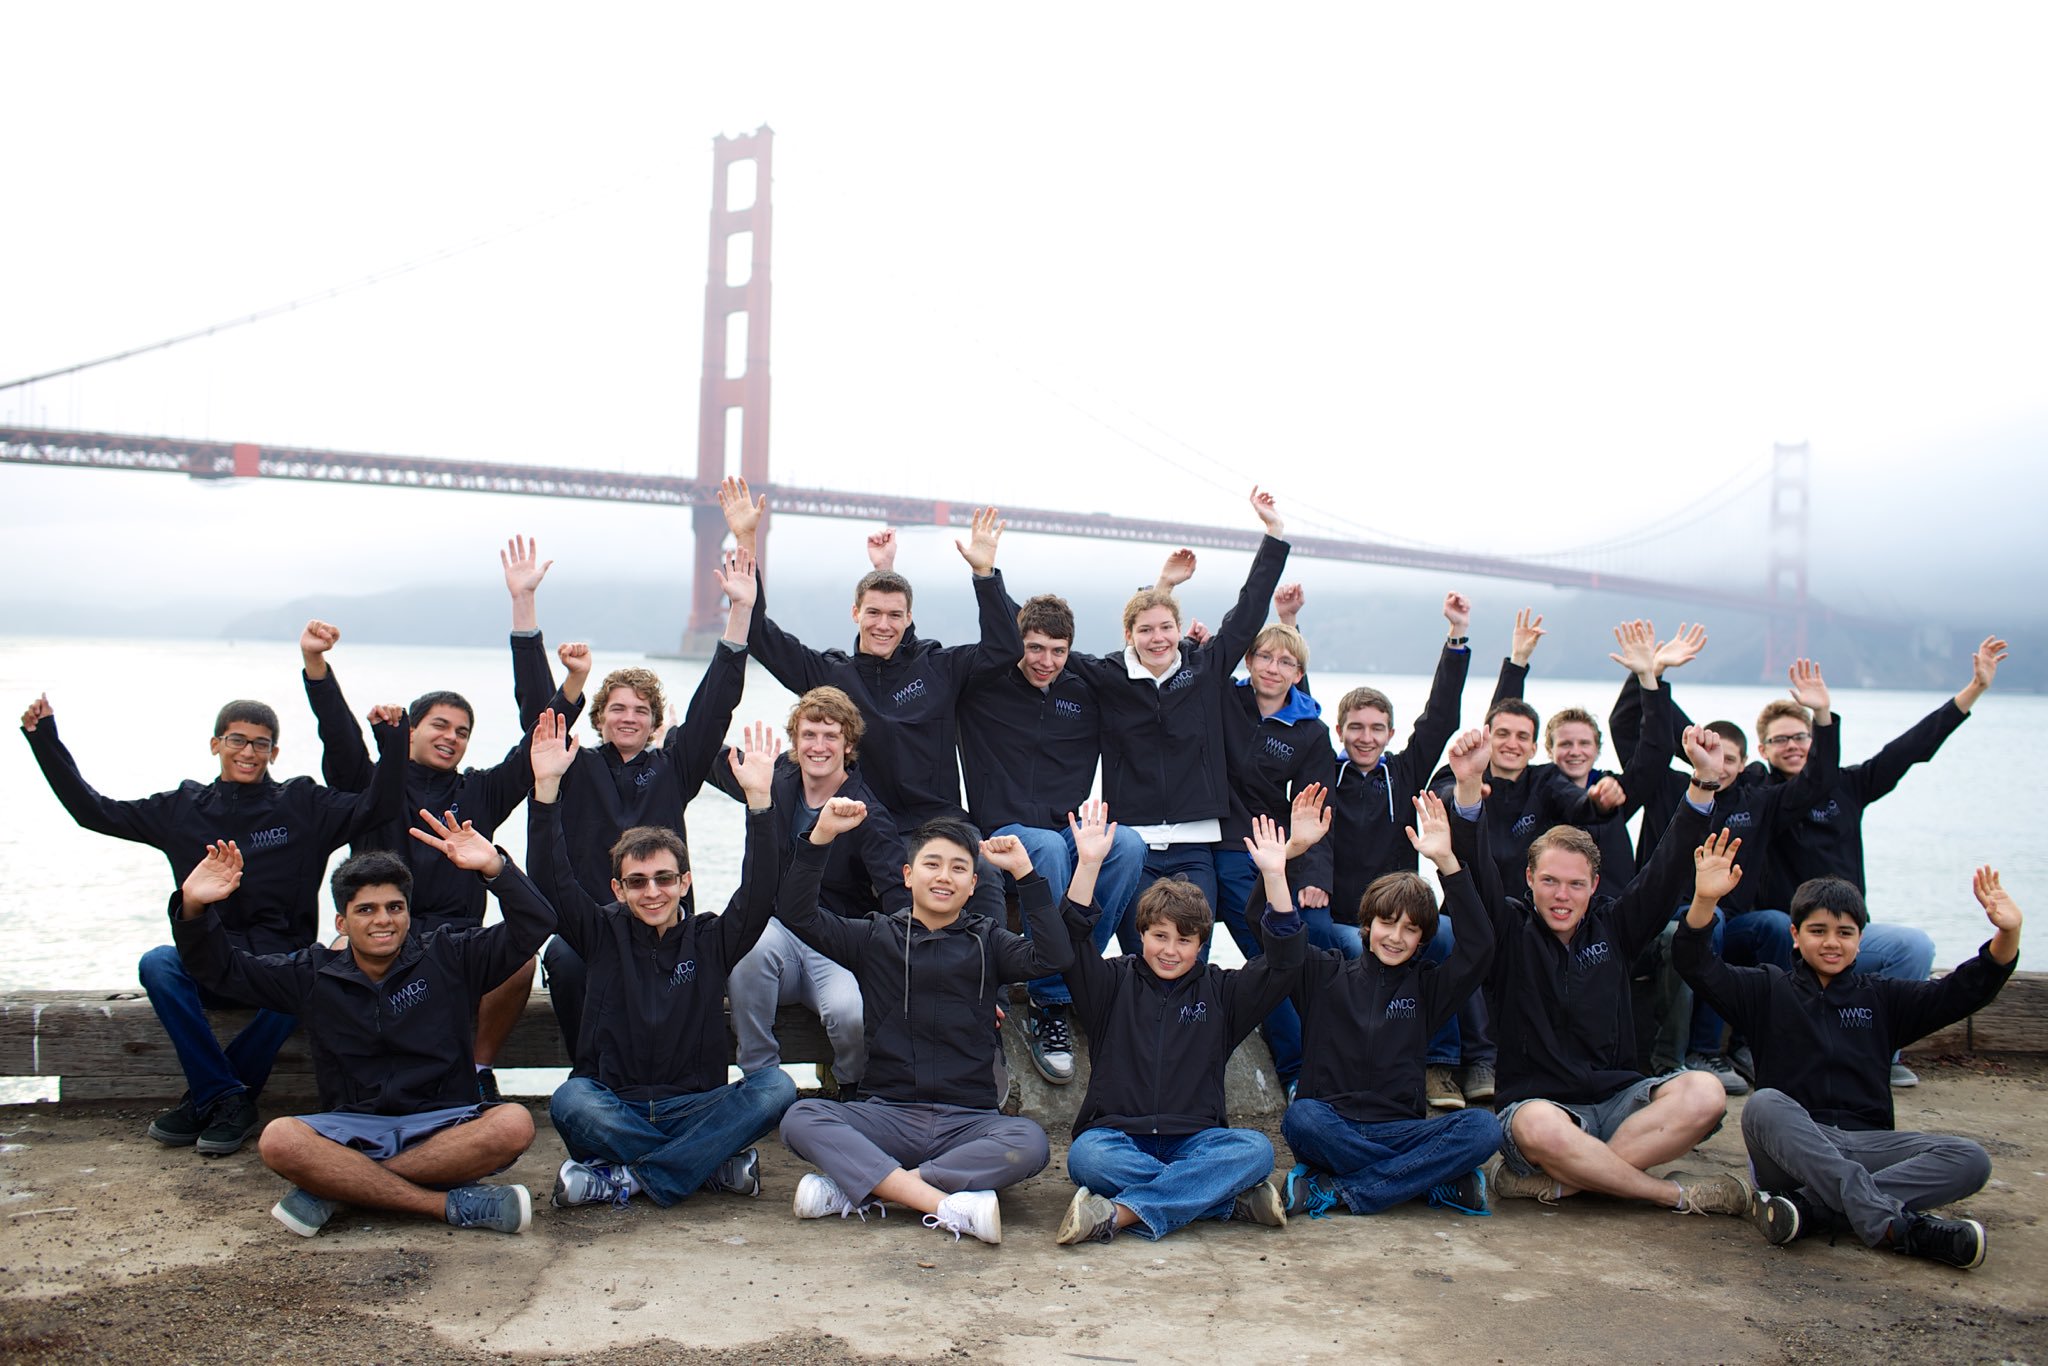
{"x":1870,"y":1176}
{"x":782,"y":970}
{"x":952,"y":1147}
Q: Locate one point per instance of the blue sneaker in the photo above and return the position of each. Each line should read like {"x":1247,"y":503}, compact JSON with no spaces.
{"x":1466,"y":1195}
{"x":592,"y":1183}
{"x":303,"y":1214}
{"x":1307,"y":1191}
{"x":508,"y":1209}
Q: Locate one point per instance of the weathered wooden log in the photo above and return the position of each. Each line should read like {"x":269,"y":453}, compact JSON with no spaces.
{"x":2017,"y":1022}
{"x":108,"y":1045}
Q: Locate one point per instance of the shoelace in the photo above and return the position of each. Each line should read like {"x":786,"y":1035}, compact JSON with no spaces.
{"x":881,"y":1211}
{"x":1320,"y":1201}
{"x":1446,"y":1193}
{"x":952,"y":1226}
{"x":1053,"y":1036}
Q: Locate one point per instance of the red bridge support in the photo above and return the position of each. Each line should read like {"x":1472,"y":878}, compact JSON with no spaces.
{"x":732,"y":405}
{"x":1785,"y":581}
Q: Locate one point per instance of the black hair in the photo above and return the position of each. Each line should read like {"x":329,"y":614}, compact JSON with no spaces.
{"x":1835,"y":894}
{"x":378,"y":868}
{"x":427,"y":701}
{"x":954,"y":832}
{"x":242,"y":709}
{"x":645,"y":841}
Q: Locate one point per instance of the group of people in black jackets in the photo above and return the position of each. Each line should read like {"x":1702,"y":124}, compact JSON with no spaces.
{"x":873,"y":895}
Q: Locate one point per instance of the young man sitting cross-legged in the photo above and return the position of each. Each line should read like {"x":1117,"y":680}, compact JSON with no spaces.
{"x":928,"y":1135}
{"x":392,"y":1020}
{"x":1152,"y":1149}
{"x":1575,"y":1113}
{"x":1819,"y":1128}
{"x":647,"y":1108}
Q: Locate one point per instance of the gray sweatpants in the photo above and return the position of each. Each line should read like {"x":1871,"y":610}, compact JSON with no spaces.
{"x":952,"y":1147}
{"x":1870,"y":1176}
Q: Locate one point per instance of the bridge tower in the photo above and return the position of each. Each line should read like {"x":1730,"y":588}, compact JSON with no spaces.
{"x":1785,"y":584}
{"x":732,"y":404}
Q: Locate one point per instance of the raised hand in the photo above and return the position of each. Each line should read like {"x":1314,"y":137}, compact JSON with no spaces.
{"x":38,"y":710}
{"x":1178,"y":569}
{"x":1287,"y":603}
{"x":1198,"y":633}
{"x":882,"y":549}
{"x":1008,"y":853}
{"x":1470,"y":754}
{"x":1458,"y":612}
{"x":1094,"y":832}
{"x":387,"y":714}
{"x":318,"y":638}
{"x":1269,"y":513}
{"x":735,"y":579}
{"x":840,"y":815}
{"x":1267,"y":844}
{"x":1999,"y":907}
{"x":523,"y":566}
{"x":753,"y":762}
{"x":1714,"y":870}
{"x":1432,"y":833}
{"x":553,"y":750}
{"x":1636,"y":651}
{"x":214,"y":879}
{"x":980,"y":549}
{"x":1682,"y":648}
{"x":1703,"y":749}
{"x":1983,"y":671}
{"x":742,"y":511}
{"x":1607,"y":794}
{"x":461,"y":843}
{"x":1310,"y":821}
{"x":575,"y":657}
{"x":1528,"y":630}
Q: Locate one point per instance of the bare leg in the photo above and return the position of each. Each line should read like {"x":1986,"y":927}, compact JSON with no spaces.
{"x":467,"y":1152}
{"x":319,"y":1166}
{"x":500,"y":1010}
{"x":1547,"y":1136}
{"x":1681,"y":1112}
{"x":908,"y":1188}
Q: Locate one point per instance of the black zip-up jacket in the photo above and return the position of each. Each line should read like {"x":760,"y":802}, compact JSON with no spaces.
{"x":441,"y":892}
{"x":604,"y":796}
{"x":1163,"y":755}
{"x":285,"y":831}
{"x":929,"y":996}
{"x":654,"y":1007}
{"x":1754,"y":808}
{"x":1369,"y":811}
{"x":908,"y":700}
{"x":863,"y":867}
{"x":1028,"y":755}
{"x":1365,"y":1027}
{"x":403,"y":1044}
{"x":1270,"y":758}
{"x":1830,"y":1048}
{"x":1157,"y":1048}
{"x":1561,"y":1011}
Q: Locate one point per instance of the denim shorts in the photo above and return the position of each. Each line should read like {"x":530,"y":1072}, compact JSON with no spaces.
{"x":1601,"y":1118}
{"x":382,"y":1137}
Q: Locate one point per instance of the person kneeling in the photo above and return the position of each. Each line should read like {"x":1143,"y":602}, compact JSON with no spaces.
{"x":931,"y":979}
{"x":1151,"y":1150}
{"x":1360,"y":1122}
{"x":1819,"y":1128}
{"x":392,"y":1019}
{"x":647,"y":1108}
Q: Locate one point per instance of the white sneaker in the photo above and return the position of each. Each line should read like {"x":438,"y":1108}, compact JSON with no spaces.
{"x":818,"y":1196}
{"x":974,"y":1212}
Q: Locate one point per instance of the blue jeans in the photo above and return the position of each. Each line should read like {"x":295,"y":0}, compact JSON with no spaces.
{"x":1052,"y":858}
{"x":1898,"y":951}
{"x":181,"y":1005}
{"x":1170,"y":1181}
{"x":1466,"y":1038}
{"x":673,"y":1145}
{"x":1751,"y":939}
{"x":1377,"y":1166}
{"x":1325,"y":933}
{"x":1190,"y":862}
{"x":1236,"y":880}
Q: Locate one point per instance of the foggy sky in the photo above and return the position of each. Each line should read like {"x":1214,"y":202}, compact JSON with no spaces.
{"x":1504,"y":278}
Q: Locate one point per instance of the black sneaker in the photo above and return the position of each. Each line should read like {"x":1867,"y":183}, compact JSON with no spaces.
{"x":179,"y":1126}
{"x":1466,"y":1195}
{"x":487,"y":1086}
{"x":1052,"y":1043}
{"x":1955,"y":1242}
{"x":229,"y":1124}
{"x":1780,"y":1218}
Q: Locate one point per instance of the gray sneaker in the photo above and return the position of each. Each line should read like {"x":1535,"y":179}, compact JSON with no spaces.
{"x":1260,"y":1204}
{"x":1089,"y":1219}
{"x":1722,"y":1070}
{"x":739,"y":1174}
{"x":590,"y":1183}
{"x":1052,"y":1043}
{"x":1904,"y":1077}
{"x":1441,"y":1085}
{"x":508,"y":1209}
{"x":303,"y":1214}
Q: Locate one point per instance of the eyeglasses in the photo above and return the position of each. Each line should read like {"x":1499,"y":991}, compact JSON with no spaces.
{"x":638,"y":882}
{"x":235,"y":744}
{"x":1797,"y":737}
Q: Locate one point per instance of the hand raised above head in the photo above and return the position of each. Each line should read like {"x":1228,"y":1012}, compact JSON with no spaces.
{"x":1470,"y":754}
{"x":523,"y":566}
{"x":1008,"y":853}
{"x":318,"y":638}
{"x":459,"y":842}
{"x":1682,"y":648}
{"x":1528,"y":630}
{"x":1269,"y":513}
{"x":736,"y":577}
{"x":840,"y":814}
{"x":1458,"y":613}
{"x":575,"y":657}
{"x":553,"y":748}
{"x":214,"y":878}
{"x":38,"y":710}
{"x":743,"y":512}
{"x":1714,"y":870}
{"x":882,"y":549}
{"x":979,"y":550}
{"x":753,"y":761}
{"x":1093,"y":831}
{"x":1999,"y":907}
{"x":1432,"y":833}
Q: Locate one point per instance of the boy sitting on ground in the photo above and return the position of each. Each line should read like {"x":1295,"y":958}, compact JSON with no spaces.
{"x":1819,"y":1128}
{"x":647,"y":1108}
{"x":1360,"y":1124}
{"x":392,"y":1020}
{"x":1152,"y":1150}
{"x":929,"y":1134}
